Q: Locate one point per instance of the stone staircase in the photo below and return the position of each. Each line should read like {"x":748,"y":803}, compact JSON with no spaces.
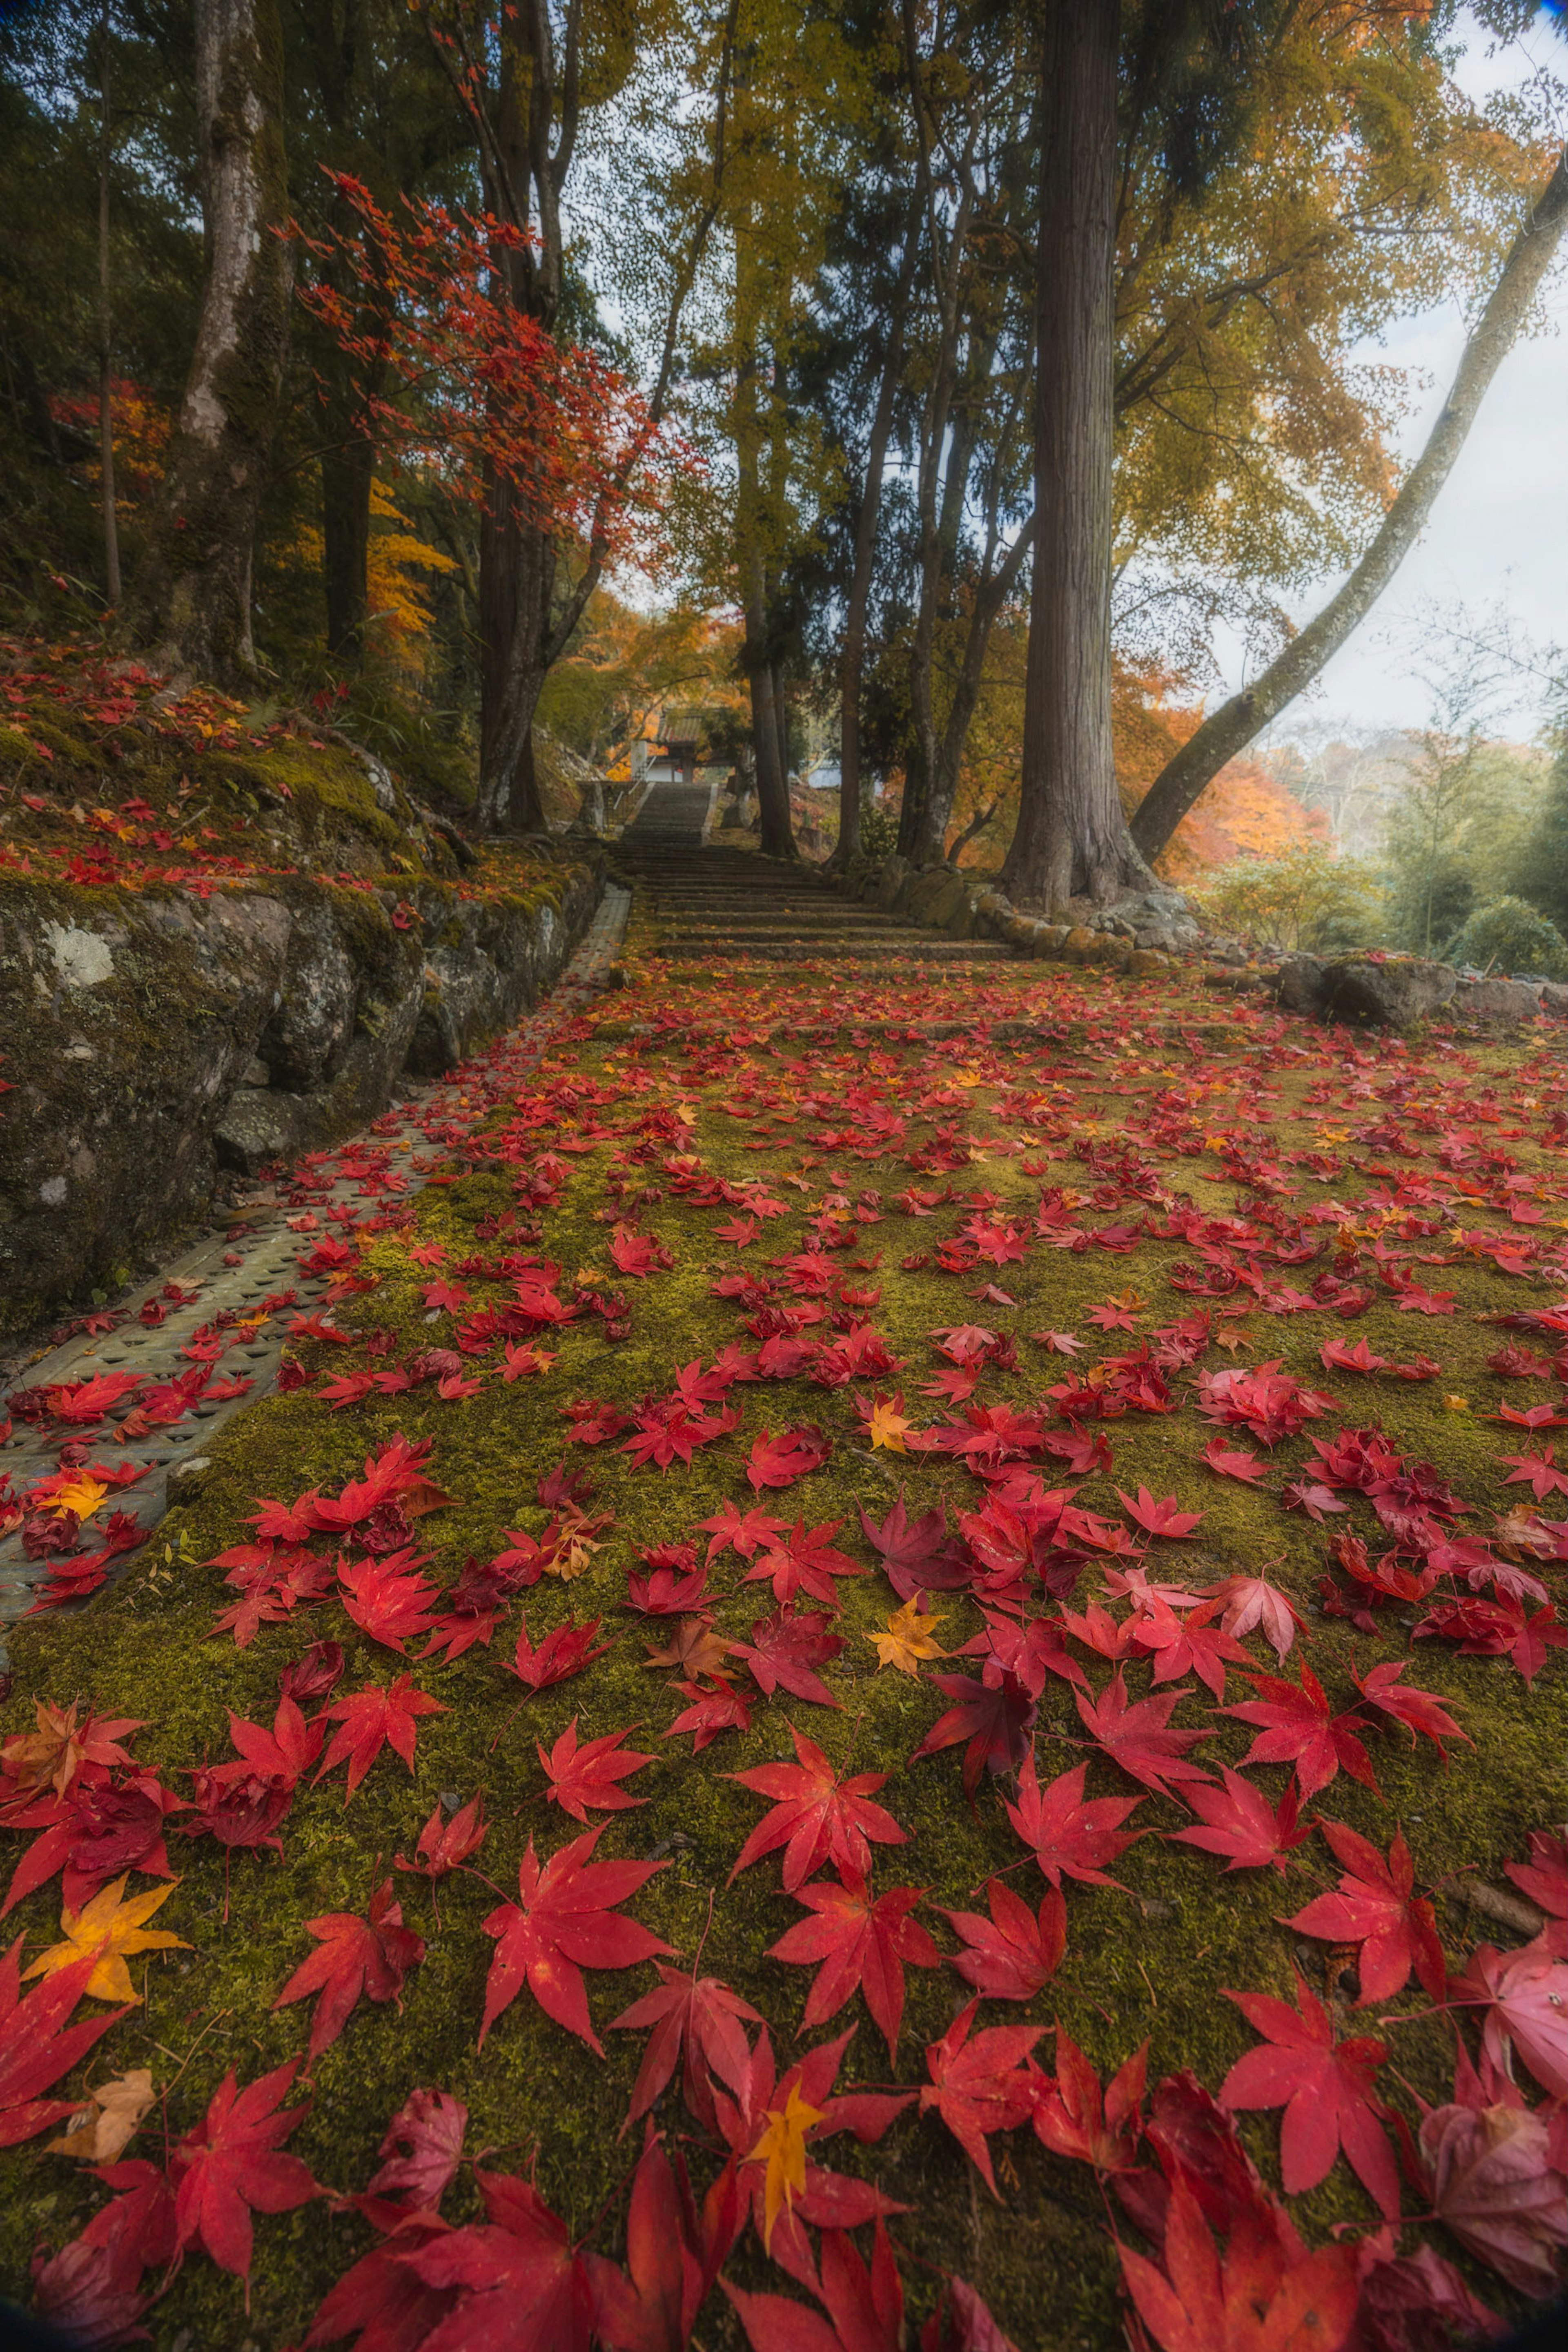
{"x":727,"y":906}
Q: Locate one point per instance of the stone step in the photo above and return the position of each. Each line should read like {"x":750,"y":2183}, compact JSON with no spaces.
{"x":922,"y":948}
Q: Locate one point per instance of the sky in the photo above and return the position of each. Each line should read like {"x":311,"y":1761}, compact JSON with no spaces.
{"x":1498,"y":534}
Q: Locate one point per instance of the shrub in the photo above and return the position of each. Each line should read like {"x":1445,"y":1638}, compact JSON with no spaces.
{"x":1302,"y":898}
{"x":879,"y":832}
{"x":1508,"y":936}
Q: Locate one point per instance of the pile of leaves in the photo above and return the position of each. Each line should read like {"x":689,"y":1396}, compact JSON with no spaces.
{"x":859,"y":1689}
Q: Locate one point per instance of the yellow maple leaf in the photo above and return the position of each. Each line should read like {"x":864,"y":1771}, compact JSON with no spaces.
{"x":1456,"y":1404}
{"x":104,"y":2125}
{"x":81,"y":1495}
{"x":783,"y":2145}
{"x":886,"y":1426}
{"x":110,"y":1928}
{"x":907,"y":1639}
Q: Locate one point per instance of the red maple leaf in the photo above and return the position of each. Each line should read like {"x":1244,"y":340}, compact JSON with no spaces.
{"x":446,"y":1842}
{"x":865,"y":2307}
{"x":742,"y":1531}
{"x":280,"y":1757}
{"x":1068,"y":1833}
{"x":785,"y":1649}
{"x":1261,"y":2298}
{"x":230,"y":2166}
{"x":373,"y":1719}
{"x":514,"y":2279}
{"x":1234,"y":1461}
{"x":564,"y":1650}
{"x":80,"y":1402}
{"x":1295,"y":1726}
{"x":1137,"y":1735}
{"x":1251,"y":1601}
{"x":695,"y":2021}
{"x":917,"y":1554}
{"x":1163,"y":1517}
{"x":1011,"y":1954}
{"x":565,"y":1923}
{"x":861,"y":1943}
{"x":779,"y":1460}
{"x":1239,"y":1822}
{"x":355,"y":1958}
{"x":1421,"y":1711}
{"x":804,"y":1561}
{"x":994,"y":1714}
{"x":34,"y":2051}
{"x":1071,"y":2117}
{"x":816,"y":1817}
{"x":387,"y":1598}
{"x":1376,"y":1907}
{"x":421,"y":2150}
{"x":980,"y":2086}
{"x":1325,"y":2088}
{"x":673,"y":2253}
{"x":587,"y":1776}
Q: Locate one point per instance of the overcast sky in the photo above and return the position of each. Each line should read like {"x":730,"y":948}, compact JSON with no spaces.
{"x":1498,"y":530}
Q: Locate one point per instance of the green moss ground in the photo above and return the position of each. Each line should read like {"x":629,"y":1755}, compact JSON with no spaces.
{"x":1148,"y":1963}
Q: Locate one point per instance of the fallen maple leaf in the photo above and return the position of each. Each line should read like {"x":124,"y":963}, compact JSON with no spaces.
{"x":1072,"y":2118}
{"x":816,"y":1817}
{"x":1251,"y":1604}
{"x":230,"y":2166}
{"x":1256,"y":2300}
{"x":1069,"y":1833}
{"x":355,"y":1958}
{"x":1377,"y":1909}
{"x":995,"y":1715}
{"x":980,"y":2086}
{"x":1418,"y":1710}
{"x":566,"y":1922}
{"x":1239,"y":1822}
{"x":1295,"y":1726}
{"x":1137,"y":1735}
{"x":421,"y":2150}
{"x":782,"y":2147}
{"x":1326,"y":2089}
{"x":109,"y":1929}
{"x":587,"y":1776}
{"x":1494,"y":2185}
{"x":109,"y":2121}
{"x":696,"y":2020}
{"x":861,"y":1943}
{"x":1011,"y":1954}
{"x":1163,"y":1517}
{"x":374,"y":1719}
{"x":906,"y":1639}
{"x":865,"y":2307}
{"x":794,"y":1454}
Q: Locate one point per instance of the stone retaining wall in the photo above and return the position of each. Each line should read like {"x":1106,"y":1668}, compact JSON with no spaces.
{"x":153,"y":1039}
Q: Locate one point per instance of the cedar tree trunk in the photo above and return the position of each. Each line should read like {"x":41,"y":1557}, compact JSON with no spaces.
{"x":1235,"y":723}
{"x":193,"y":591}
{"x":1071,"y":840}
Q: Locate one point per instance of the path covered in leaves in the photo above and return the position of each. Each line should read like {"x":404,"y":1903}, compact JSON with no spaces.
{"x":891,"y":1671}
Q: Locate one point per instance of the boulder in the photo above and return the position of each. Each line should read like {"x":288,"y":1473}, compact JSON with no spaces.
{"x":992,"y":915}
{"x":1391,"y":992}
{"x":1498,"y":1004}
{"x":1077,"y":946}
{"x":1144,"y":962}
{"x":1300,"y":983}
{"x":963,"y":922}
{"x":1051,"y":938}
{"x":1554,"y":1000}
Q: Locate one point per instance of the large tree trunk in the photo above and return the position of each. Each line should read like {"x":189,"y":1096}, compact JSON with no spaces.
{"x":851,"y":656}
{"x":348,"y":473}
{"x":1071,"y":840}
{"x":1232,"y":727}
{"x":193,"y":591}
